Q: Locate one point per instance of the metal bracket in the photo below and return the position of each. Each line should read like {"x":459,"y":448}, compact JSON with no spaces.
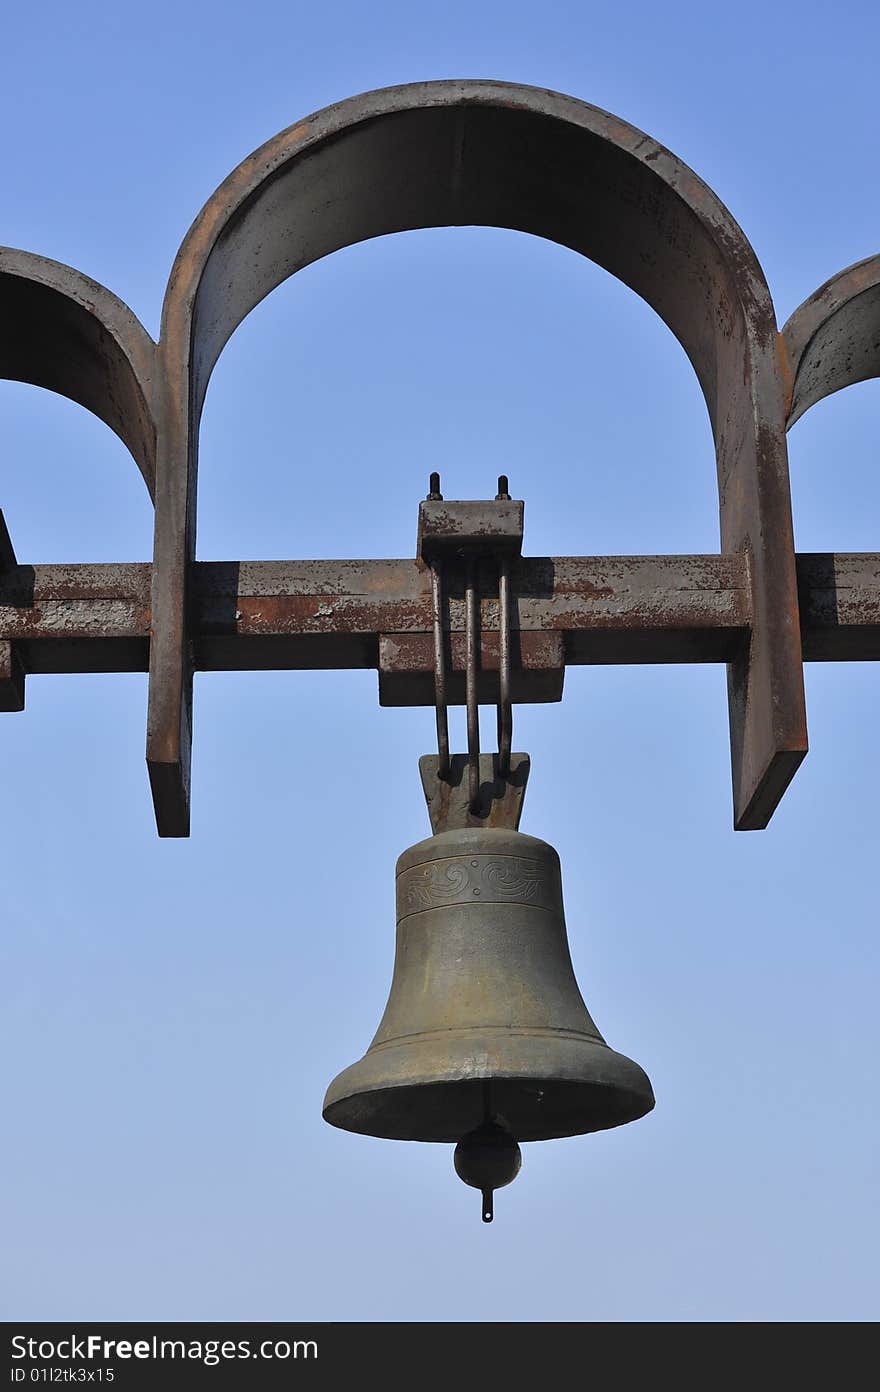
{"x":449,"y":530}
{"x":500,"y":797}
{"x":470,"y":531}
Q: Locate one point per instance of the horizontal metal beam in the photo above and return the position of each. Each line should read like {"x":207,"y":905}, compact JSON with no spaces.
{"x":262,"y":615}
{"x":839,"y":600}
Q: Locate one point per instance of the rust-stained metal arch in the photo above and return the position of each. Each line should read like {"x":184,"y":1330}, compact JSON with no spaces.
{"x":63,"y":331}
{"x":833,"y":339}
{"x":457,"y":153}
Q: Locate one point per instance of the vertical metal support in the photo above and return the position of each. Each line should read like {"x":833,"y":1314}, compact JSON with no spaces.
{"x":440,"y":672}
{"x":11,"y":670}
{"x":505,"y":709}
{"x":473,"y":712}
{"x":170,"y":693}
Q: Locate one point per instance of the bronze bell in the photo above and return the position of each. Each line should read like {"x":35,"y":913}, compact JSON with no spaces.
{"x":485,"y":1039}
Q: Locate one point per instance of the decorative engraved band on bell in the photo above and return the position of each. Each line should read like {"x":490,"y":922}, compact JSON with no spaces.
{"x":480,"y":1035}
{"x":486,"y":879}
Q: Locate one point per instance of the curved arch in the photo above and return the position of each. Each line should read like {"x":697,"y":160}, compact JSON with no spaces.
{"x":457,"y":153}
{"x":63,"y":331}
{"x":833,"y":339}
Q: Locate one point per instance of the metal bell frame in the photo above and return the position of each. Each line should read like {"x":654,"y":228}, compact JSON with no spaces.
{"x":452,"y":153}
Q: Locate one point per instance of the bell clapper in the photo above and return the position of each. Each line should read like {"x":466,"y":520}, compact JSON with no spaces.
{"x":487,"y":1158}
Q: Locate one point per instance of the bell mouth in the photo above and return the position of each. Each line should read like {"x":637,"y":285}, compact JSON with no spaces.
{"x":577,"y":1087}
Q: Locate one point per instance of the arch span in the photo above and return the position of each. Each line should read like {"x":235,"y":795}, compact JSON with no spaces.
{"x":833,"y":339}
{"x":458,"y":153}
{"x":63,"y":331}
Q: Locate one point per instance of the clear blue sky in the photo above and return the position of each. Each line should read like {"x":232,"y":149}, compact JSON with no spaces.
{"x":171,"y":1012}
